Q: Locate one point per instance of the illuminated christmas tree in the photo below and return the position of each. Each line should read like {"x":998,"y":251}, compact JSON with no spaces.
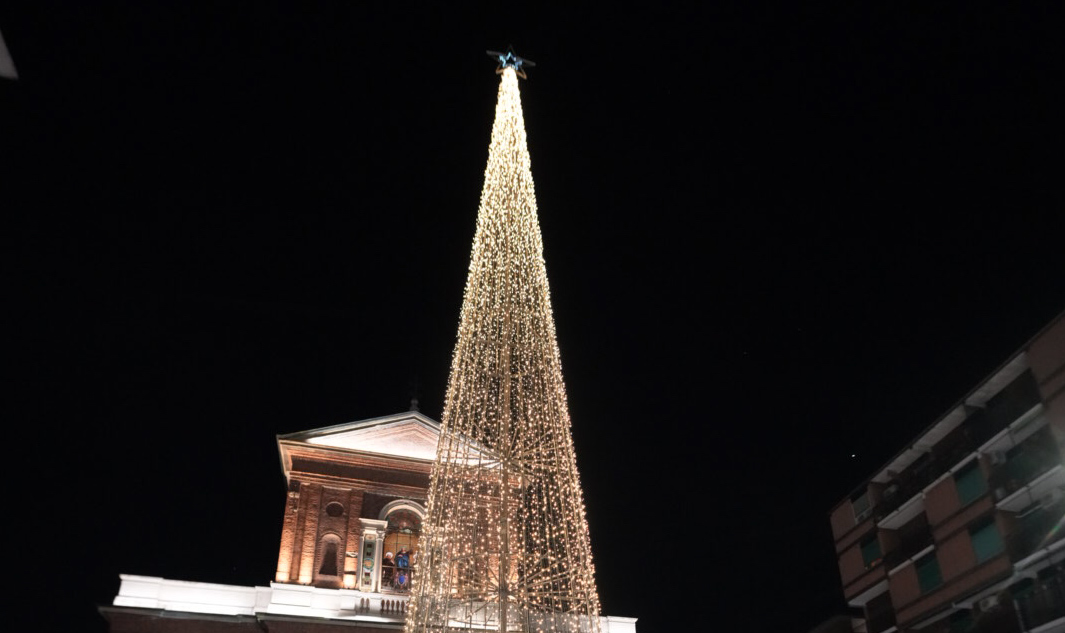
{"x":506,"y":545}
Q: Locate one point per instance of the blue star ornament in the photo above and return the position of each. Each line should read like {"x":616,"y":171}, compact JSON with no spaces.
{"x":510,"y":60}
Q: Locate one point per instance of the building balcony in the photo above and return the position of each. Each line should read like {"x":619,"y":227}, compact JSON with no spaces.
{"x":901,"y":493}
{"x":909,"y":547}
{"x":867,"y":586}
{"x":1034,"y":531}
{"x":397,"y":579}
{"x":1015,"y":467}
{"x":933,"y":461}
{"x":313,"y":608}
{"x":879,"y":614}
{"x":1046,"y":490}
{"x":147,"y":592}
{"x":880,"y":622}
{"x":905,"y":514}
{"x":1041,"y":603}
{"x":978,"y":425}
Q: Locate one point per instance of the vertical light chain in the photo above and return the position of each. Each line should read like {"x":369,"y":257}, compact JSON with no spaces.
{"x":506,"y":539}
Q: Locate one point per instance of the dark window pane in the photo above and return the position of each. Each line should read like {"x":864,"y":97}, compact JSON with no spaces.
{"x":987,"y":542}
{"x":970,"y":482}
{"x":871,"y":552}
{"x":329,"y":560}
{"x":928,"y":574}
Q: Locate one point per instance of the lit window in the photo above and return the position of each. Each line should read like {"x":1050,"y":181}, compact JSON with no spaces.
{"x":400,"y":559}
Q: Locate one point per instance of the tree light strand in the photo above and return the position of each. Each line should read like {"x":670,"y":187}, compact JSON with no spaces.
{"x":505,"y":545}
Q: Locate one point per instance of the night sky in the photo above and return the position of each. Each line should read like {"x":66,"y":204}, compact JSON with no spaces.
{"x":781,"y":240}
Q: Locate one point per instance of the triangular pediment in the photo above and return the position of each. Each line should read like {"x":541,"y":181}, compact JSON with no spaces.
{"x":410,"y":434}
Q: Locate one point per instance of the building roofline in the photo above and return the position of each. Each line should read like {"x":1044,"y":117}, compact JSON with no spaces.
{"x":959,"y":403}
{"x":304,"y":436}
{"x":360,"y":424}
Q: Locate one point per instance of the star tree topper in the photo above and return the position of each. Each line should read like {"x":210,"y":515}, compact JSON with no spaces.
{"x":510,"y":60}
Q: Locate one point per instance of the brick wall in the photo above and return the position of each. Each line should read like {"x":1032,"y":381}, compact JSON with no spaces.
{"x":851,"y":565}
{"x":941,"y":501}
{"x":903,"y":585}
{"x":842,"y":519}
{"x":956,"y":555}
{"x":987,"y":573}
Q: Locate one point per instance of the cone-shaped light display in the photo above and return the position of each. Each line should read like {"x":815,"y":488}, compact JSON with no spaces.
{"x":505,"y":545}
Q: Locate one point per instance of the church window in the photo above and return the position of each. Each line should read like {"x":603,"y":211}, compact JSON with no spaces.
{"x":400,"y":559}
{"x":330,"y":551}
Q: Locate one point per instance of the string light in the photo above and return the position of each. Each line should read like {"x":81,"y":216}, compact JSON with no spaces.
{"x":505,"y":544}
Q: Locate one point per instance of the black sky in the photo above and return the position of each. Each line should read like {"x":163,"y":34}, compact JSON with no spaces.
{"x":776,"y":236}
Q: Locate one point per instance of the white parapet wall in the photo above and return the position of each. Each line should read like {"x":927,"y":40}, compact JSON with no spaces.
{"x":180,"y":596}
{"x":617,"y":624}
{"x":149,"y":592}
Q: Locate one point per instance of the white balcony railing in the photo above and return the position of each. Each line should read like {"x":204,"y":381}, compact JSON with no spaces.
{"x":177,"y":596}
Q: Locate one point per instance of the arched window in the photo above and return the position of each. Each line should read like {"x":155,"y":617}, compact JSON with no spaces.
{"x":330,"y":560}
{"x":400,"y":560}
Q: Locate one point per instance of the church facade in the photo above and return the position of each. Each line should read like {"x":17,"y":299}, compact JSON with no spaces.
{"x":349,"y":548}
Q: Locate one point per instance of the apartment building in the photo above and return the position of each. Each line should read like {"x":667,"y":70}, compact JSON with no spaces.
{"x":962,"y":530}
